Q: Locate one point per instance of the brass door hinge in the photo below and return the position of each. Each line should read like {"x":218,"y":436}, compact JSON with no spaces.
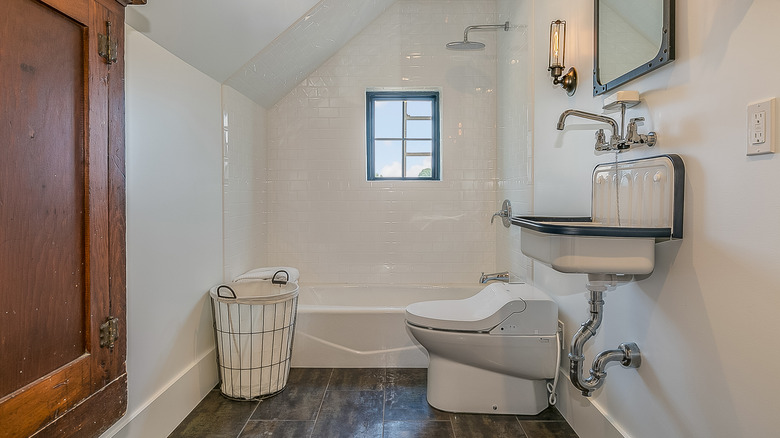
{"x":107,"y":46}
{"x":109,"y":332}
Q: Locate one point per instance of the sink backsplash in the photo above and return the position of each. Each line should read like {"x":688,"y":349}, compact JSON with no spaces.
{"x":649,"y":190}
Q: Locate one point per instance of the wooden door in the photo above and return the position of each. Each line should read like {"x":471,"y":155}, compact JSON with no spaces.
{"x":62,"y":221}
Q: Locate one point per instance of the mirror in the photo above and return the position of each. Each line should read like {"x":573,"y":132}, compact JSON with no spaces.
{"x":632,"y":37}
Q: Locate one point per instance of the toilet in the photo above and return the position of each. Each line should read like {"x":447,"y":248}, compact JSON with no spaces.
{"x":491,"y":353}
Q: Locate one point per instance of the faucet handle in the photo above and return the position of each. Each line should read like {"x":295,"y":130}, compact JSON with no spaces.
{"x":601,"y":141}
{"x":602,"y":145}
{"x":632,"y":134}
{"x":633,"y":137}
{"x":502,"y":214}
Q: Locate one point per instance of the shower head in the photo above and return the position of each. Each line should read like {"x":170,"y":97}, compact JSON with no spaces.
{"x":474,"y":45}
{"x":465,"y":45}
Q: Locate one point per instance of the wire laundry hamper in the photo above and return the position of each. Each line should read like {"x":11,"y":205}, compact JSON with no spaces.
{"x":254,"y":322}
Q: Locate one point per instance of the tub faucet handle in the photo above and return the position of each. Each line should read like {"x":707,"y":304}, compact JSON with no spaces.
{"x":501,"y":213}
{"x":504,"y":214}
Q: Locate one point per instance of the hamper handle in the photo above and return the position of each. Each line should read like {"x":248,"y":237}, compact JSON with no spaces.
{"x":275,"y":281}
{"x":228,"y":288}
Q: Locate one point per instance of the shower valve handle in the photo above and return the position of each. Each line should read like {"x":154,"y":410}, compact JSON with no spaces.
{"x":502,"y":214}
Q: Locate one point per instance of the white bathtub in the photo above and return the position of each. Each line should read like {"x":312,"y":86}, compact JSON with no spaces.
{"x":362,"y":326}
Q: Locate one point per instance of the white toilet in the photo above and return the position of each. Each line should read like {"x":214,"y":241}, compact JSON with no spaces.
{"x":490,"y":353}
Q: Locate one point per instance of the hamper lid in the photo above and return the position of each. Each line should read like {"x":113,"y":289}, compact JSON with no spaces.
{"x":254,"y":292}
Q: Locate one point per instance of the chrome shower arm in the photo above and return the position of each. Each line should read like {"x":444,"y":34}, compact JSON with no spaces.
{"x":504,"y":26}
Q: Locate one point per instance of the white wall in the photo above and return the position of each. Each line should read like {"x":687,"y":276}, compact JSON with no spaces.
{"x":174,"y":236}
{"x":244,"y":183}
{"x":326,"y":219}
{"x":706,"y":320}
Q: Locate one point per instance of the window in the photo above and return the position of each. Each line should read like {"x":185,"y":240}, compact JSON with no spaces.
{"x":403,"y":135}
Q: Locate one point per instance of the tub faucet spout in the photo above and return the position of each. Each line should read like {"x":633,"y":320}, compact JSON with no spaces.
{"x":498,"y":276}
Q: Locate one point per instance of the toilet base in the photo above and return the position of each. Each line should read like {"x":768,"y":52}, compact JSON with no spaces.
{"x":455,"y":387}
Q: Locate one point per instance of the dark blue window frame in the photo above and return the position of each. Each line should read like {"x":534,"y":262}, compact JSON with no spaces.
{"x":431,"y":96}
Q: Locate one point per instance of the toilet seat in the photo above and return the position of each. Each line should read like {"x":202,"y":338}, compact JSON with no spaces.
{"x":479,"y":313}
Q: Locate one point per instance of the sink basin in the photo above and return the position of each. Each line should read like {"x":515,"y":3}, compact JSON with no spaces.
{"x":648,"y":191}
{"x":578,"y":245}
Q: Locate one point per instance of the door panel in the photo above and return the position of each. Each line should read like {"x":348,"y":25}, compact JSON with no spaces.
{"x":61,"y":218}
{"x":42,"y":193}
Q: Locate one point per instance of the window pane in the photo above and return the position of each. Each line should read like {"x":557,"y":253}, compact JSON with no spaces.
{"x":419,"y":129}
{"x":388,"y":118}
{"x":415,"y":146}
{"x":418,"y":167}
{"x":402,"y":144}
{"x":387,"y":159}
{"x":419,"y":108}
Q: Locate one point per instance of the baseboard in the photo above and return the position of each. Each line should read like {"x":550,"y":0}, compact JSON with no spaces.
{"x":584,"y":414}
{"x":161,"y":413}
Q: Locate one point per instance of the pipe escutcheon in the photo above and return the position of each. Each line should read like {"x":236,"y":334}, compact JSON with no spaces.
{"x":632,"y":358}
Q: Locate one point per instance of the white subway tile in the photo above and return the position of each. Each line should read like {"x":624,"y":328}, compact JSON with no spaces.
{"x":317,"y":210}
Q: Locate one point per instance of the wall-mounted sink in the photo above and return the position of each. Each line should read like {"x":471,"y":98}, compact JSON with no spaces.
{"x":577,"y":245}
{"x":634,"y":205}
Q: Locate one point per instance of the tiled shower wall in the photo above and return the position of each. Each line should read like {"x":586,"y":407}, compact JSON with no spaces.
{"x":514,"y":131}
{"x":326,"y":219}
{"x":244,"y":183}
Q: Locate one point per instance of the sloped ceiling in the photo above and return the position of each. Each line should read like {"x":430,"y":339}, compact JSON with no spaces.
{"x":216,"y":36}
{"x":308,"y":43}
{"x":262,"y":48}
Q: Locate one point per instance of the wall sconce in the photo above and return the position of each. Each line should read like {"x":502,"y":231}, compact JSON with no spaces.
{"x":555,"y":62}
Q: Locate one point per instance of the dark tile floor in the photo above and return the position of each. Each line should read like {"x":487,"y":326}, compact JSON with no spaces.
{"x":364,"y":402}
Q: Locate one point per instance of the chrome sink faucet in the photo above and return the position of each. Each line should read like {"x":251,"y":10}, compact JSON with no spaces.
{"x":498,"y":276}
{"x":601,"y":143}
{"x":617,"y":141}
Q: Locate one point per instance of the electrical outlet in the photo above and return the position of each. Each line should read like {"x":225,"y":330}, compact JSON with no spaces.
{"x":560,"y":333}
{"x":761,"y":131}
{"x":758,"y":128}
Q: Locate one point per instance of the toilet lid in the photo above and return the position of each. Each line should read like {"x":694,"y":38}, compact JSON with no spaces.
{"x":479,"y":313}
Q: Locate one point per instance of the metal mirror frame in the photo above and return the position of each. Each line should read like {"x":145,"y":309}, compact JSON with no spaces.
{"x":664,"y":56}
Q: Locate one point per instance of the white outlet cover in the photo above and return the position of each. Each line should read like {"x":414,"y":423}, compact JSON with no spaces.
{"x":760,"y":127}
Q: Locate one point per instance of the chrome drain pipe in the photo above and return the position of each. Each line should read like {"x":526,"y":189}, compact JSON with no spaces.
{"x":627,"y":353}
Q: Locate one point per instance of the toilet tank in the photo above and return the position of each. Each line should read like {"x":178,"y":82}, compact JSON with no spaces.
{"x":540,"y":316}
